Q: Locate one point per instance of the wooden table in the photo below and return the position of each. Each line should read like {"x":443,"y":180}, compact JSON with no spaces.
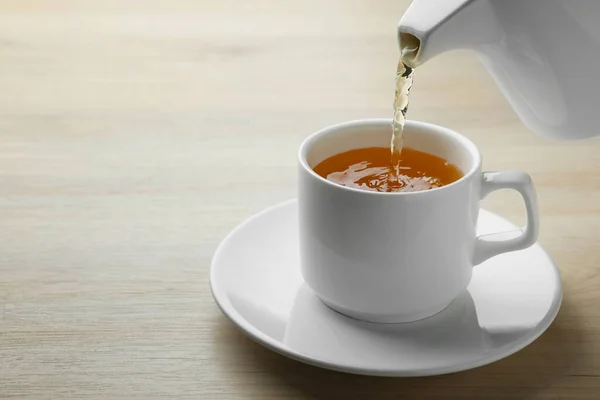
{"x":134,"y":134}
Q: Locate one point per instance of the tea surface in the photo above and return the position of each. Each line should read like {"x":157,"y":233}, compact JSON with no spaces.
{"x":369,"y":169}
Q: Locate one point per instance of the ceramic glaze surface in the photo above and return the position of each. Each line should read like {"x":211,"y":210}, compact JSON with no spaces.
{"x":543,"y":54}
{"x":398,"y":257}
{"x":256,"y":281}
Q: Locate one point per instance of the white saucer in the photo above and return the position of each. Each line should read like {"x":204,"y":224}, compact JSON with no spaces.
{"x":256,"y":281}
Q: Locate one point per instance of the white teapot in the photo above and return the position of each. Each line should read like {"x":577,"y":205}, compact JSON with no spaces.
{"x":543,"y":54}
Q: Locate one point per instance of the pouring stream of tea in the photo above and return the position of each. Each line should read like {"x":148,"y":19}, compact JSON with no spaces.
{"x":404,"y":81}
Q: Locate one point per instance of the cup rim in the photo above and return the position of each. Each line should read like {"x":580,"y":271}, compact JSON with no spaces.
{"x":464,"y":141}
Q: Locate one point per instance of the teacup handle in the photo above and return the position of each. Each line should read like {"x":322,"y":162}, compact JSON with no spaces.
{"x":488,"y":246}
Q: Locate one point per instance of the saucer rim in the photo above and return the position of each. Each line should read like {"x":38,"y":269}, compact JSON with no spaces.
{"x":279,"y":347}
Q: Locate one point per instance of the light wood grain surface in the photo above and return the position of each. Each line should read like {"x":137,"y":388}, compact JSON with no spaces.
{"x":134,"y":134}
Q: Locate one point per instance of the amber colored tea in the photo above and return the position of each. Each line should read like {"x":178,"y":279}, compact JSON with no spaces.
{"x":369,"y":169}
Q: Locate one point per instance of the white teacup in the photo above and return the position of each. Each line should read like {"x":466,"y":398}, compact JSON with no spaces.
{"x":399,"y":257}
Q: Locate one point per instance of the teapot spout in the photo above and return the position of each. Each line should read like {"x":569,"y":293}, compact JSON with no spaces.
{"x":432,"y":27}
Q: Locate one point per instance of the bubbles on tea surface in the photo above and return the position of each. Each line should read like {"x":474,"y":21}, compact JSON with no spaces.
{"x":368,"y":169}
{"x":376,"y":178}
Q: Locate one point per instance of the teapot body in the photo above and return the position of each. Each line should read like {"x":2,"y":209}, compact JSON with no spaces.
{"x":546,"y":62}
{"x":544,"y":55}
